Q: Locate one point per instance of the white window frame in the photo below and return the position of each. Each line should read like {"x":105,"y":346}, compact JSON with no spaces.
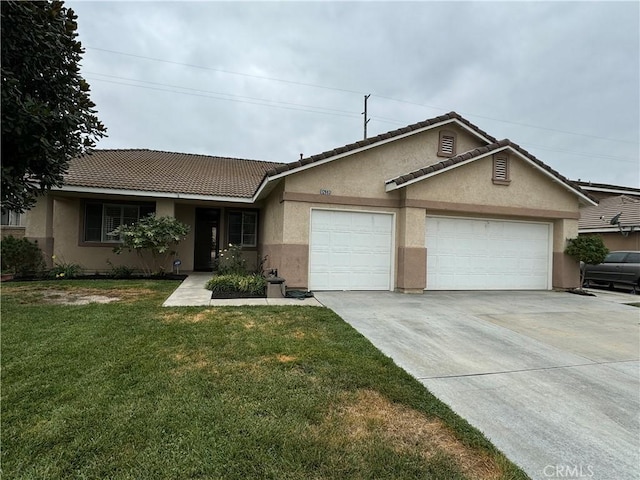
{"x":13,"y":219}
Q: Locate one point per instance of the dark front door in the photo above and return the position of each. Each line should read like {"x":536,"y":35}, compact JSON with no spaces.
{"x":206,"y":238}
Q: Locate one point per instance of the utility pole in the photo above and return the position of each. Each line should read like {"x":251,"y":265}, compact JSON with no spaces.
{"x":366,"y":119}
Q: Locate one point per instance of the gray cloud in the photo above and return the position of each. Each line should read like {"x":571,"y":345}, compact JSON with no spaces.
{"x":567,"y":67}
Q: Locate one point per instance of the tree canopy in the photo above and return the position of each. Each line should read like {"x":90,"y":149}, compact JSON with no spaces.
{"x":47,"y":115}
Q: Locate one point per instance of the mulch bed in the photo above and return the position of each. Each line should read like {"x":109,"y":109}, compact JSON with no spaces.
{"x":223,"y":295}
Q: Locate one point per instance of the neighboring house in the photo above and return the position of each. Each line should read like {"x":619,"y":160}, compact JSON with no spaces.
{"x":613,"y":200}
{"x":438,"y":205}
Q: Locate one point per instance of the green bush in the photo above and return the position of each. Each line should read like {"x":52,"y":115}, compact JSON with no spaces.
{"x":252,"y":284}
{"x":231,"y":261}
{"x":120,"y":271}
{"x":588,"y":249}
{"x":20,"y":256}
{"x":62,"y":269}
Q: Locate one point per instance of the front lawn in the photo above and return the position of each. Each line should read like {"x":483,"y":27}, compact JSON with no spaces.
{"x":127,"y":389}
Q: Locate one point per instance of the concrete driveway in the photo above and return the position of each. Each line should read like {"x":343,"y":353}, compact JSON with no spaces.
{"x":552,"y":379}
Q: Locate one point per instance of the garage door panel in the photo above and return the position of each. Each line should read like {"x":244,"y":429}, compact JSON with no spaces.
{"x":477,"y":254}
{"x":357,"y":250}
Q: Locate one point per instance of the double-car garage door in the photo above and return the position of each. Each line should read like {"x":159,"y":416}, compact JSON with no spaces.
{"x":351,"y":250}
{"x":479,"y":254}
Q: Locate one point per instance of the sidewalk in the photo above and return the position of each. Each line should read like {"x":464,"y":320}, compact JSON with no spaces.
{"x":191,"y":293}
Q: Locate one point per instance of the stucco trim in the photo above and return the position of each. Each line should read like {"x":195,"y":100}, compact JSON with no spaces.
{"x":432,"y":205}
{"x":340,"y":200}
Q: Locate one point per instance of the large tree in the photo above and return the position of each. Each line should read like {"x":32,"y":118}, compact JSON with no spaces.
{"x":47,"y":116}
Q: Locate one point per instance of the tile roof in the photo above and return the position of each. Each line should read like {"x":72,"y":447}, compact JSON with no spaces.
{"x":599,"y":216}
{"x":480,"y":151}
{"x":590,"y":186}
{"x":158,"y":171}
{"x":378,"y":138}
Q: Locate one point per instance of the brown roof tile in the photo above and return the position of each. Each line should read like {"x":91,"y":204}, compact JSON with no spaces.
{"x":158,"y":171}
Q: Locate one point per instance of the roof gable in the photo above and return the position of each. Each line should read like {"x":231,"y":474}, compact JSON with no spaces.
{"x":482,"y":152}
{"x":394,"y":135}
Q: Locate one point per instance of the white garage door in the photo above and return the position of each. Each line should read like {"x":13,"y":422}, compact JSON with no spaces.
{"x":476,"y":254}
{"x":350,"y":250}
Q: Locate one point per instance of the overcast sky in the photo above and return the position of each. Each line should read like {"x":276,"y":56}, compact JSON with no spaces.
{"x":269,"y":80}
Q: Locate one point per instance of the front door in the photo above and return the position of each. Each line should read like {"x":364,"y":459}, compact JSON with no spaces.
{"x":206,"y":238}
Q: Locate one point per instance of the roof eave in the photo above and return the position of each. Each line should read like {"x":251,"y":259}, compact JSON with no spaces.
{"x":150,"y":193}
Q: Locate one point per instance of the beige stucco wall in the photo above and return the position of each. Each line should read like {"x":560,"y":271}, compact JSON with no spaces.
{"x":363,"y":174}
{"x":39,"y":226}
{"x":185,"y":249}
{"x":67,"y":249}
{"x":472,"y":184}
{"x":63,"y":222}
{"x":272,"y":217}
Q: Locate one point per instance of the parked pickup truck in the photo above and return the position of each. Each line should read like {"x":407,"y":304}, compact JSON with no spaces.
{"x":618,"y":268}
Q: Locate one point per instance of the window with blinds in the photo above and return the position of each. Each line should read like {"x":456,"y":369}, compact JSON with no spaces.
{"x":501,"y":170}
{"x":447,"y":144}
{"x":243,"y":228}
{"x":101,"y":219}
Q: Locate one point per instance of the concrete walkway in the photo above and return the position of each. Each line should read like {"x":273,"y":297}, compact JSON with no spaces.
{"x":191,"y":293}
{"x":551,"y":378}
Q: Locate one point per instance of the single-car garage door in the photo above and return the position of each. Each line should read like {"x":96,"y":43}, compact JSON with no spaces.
{"x":350,"y":250}
{"x":479,"y":254}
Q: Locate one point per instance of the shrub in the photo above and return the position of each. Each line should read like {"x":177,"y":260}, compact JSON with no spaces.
{"x":588,"y":249}
{"x":62,"y":269}
{"x":252,"y":284}
{"x":120,"y":271}
{"x":21,"y":256}
{"x":153,"y":239}
{"x":231,"y":261}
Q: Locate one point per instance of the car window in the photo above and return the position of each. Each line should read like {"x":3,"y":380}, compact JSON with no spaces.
{"x":615,"y":257}
{"x":633,"y":258}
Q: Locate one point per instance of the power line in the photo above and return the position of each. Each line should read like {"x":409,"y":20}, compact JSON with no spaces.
{"x":290,"y":106}
{"x":293,"y":82}
{"x":201,"y":67}
{"x":217,"y":93}
{"x":228,"y":99}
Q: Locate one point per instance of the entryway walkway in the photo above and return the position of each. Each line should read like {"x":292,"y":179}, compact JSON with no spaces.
{"x":192,"y":293}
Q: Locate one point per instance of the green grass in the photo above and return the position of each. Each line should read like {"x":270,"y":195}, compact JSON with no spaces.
{"x":131,"y":390}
